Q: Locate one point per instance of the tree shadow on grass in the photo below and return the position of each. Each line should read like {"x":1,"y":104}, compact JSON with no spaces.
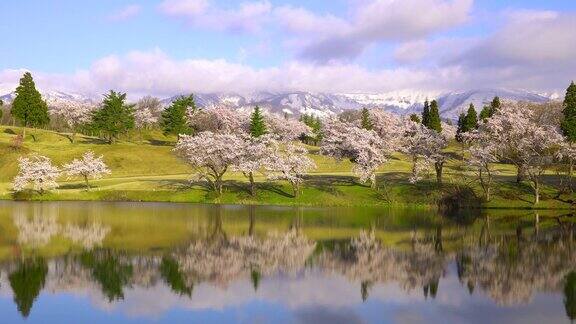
{"x":92,"y":140}
{"x":75,"y":186}
{"x":274,"y":188}
{"x":156,"y":142}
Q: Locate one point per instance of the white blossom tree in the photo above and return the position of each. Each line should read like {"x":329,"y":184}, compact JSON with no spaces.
{"x":483,"y":154}
{"x":290,"y":162}
{"x":255,"y":152}
{"x":525,"y":141}
{"x":89,"y":166}
{"x":37,"y":171}
{"x":364,"y":148}
{"x":425,"y":147}
{"x":72,"y":113}
{"x":219,"y":120}
{"x":286,"y":129}
{"x":211,"y":155}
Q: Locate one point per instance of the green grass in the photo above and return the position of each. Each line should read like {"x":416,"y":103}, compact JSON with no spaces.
{"x":149,"y":171}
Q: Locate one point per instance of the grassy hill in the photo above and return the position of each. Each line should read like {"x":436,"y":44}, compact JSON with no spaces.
{"x":147,"y":170}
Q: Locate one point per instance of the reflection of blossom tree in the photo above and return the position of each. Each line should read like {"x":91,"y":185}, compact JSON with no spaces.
{"x":510,"y":272}
{"x":172,"y":275}
{"x":87,"y":236}
{"x":366,"y":260}
{"x":26,"y":283}
{"x":38,"y":229}
{"x":223,"y":260}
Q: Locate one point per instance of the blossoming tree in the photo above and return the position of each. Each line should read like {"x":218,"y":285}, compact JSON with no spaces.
{"x":290,"y":162}
{"x":89,"y":166}
{"x":210,"y":154}
{"x":37,"y":171}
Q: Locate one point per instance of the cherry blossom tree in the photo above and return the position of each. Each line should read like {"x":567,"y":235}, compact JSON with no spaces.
{"x":219,"y":120}
{"x":483,"y":153}
{"x":425,"y":147}
{"x":286,"y":129}
{"x":290,"y":162}
{"x":211,"y":155}
{"x":364,"y":148}
{"x":72,"y":113}
{"x":90,"y":166}
{"x":526,"y":142}
{"x":255,"y":152}
{"x":37,"y":171}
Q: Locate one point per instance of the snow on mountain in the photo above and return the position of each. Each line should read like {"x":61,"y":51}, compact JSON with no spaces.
{"x":452,"y":104}
{"x":322,"y":104}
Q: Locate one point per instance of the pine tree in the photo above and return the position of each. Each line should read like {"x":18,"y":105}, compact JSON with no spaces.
{"x":415,"y":118}
{"x":174,"y":117}
{"x":257,"y":123}
{"x":115,"y":117}
{"x":568,"y":124}
{"x":434,"y":121}
{"x":1,"y":110}
{"x":485,"y":113}
{"x":426,"y":114}
{"x":461,"y":127}
{"x":494,"y":105}
{"x":471,"y":119}
{"x":569,"y":112}
{"x":366,"y":122}
{"x":28,"y":107}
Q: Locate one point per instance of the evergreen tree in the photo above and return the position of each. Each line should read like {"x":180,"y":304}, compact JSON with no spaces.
{"x":174,"y":117}
{"x":316,"y":125}
{"x":494,"y":105}
{"x":415,"y":118}
{"x":27,"y":282}
{"x":257,"y":123}
{"x":1,"y":110}
{"x":461,"y":128}
{"x":568,"y":124}
{"x":115,"y":117}
{"x":570,"y":295}
{"x":426,"y":113}
{"x":28,"y":107}
{"x":434,"y":121}
{"x":485,"y":113}
{"x":569,"y":112}
{"x":366,"y":122}
{"x":471,"y":119}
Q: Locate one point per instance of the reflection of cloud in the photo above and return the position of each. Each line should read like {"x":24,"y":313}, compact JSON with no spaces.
{"x":319,"y":315}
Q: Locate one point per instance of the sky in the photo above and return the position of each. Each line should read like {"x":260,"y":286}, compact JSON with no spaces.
{"x":168,"y":47}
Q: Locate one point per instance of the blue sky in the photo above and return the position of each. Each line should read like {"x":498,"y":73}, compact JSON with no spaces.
{"x":170,"y":46}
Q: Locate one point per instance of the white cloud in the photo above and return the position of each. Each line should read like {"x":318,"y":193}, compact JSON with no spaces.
{"x":411,"y":52}
{"x":125,"y":13}
{"x":372,"y":21}
{"x":248,"y":17}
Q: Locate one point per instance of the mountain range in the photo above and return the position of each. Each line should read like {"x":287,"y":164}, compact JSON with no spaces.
{"x":322,"y":104}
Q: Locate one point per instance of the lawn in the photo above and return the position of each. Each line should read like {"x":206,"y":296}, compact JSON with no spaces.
{"x":147,"y":170}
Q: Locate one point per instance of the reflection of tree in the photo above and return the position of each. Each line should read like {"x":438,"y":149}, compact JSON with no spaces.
{"x":87,"y":236}
{"x":570,"y":295}
{"x":512,"y":269}
{"x":107,"y":269}
{"x":222,"y":260}
{"x":37,"y":230}
{"x":170,"y":271}
{"x":366,"y":260}
{"x":26,"y":283}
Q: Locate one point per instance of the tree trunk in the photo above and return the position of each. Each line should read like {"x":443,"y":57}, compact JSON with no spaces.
{"x":252,"y":184}
{"x":570,"y":172}
{"x":86,"y":182}
{"x":374,"y":183}
{"x":439,"y":167}
{"x":536,"y":192}
{"x":295,"y":189}
{"x":520,"y":174}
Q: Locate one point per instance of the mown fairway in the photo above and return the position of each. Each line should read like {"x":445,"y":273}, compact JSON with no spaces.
{"x":147,"y":170}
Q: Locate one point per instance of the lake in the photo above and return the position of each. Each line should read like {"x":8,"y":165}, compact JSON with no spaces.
{"x":94,"y":262}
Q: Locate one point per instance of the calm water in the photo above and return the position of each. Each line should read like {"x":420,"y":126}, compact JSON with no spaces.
{"x":130,"y":262}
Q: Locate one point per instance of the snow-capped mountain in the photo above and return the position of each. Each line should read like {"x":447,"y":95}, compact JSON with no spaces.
{"x":323,"y":104}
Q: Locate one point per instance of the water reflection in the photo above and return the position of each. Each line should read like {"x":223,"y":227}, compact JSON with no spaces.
{"x":492,"y":264}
